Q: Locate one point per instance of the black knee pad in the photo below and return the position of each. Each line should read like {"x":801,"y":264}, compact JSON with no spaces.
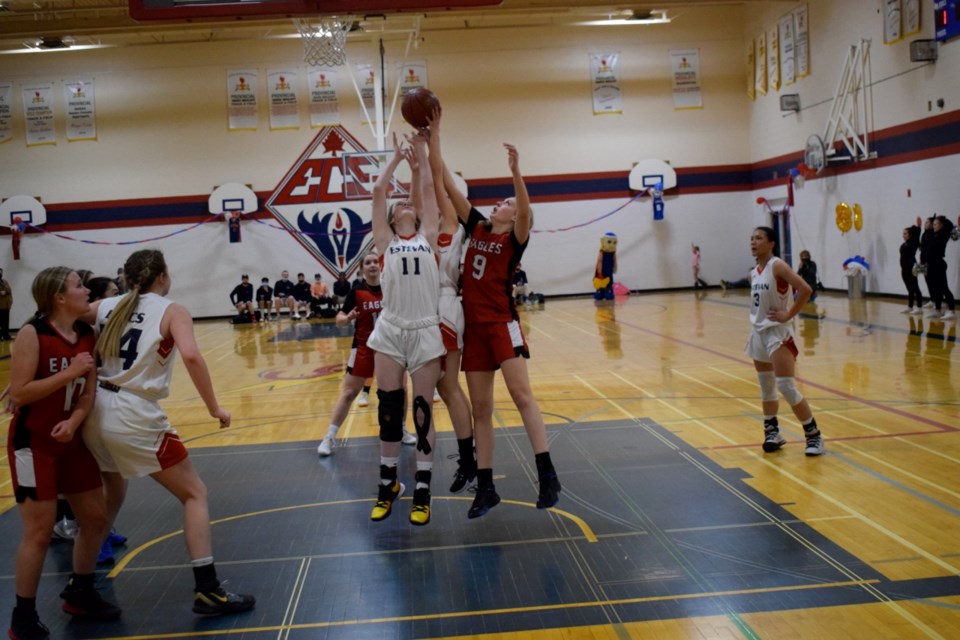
{"x":390,"y":414}
{"x":422,"y":408}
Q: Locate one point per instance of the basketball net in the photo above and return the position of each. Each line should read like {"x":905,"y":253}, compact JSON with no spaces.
{"x":324,"y":40}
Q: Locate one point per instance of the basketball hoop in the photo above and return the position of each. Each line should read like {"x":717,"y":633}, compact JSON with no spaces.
{"x":324,"y":41}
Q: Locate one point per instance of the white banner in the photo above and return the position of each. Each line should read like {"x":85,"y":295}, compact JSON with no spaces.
{"x":773,"y":59}
{"x":324,"y":107}
{"x":801,"y":42}
{"x":78,"y":96}
{"x":412,"y":75}
{"x":891,"y":21}
{"x":368,"y":92}
{"x":761,"y":59}
{"x":38,"y":114}
{"x":685,"y":64}
{"x":282,"y":92}
{"x":607,"y":98}
{"x":242,"y":112}
{"x":786,"y":50}
{"x":6,"y":111}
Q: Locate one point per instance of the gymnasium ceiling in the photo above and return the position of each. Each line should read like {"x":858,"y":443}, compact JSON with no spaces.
{"x":32,"y":24}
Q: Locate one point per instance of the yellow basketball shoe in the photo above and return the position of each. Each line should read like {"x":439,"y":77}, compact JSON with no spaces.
{"x":388,"y":495}
{"x":420,"y":512}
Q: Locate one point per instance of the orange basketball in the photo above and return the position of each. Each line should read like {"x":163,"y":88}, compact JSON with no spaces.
{"x":418,"y":105}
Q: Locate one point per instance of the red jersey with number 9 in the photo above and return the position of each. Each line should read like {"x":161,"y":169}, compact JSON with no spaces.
{"x":488,"y":271}
{"x":32,"y":423}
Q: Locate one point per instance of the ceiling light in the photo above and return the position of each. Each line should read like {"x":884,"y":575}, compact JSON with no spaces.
{"x":654,"y":16}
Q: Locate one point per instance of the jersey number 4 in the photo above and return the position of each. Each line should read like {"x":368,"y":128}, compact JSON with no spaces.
{"x":128,"y":347}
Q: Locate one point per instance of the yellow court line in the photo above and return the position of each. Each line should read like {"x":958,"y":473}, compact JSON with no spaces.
{"x":588,"y":533}
{"x":511,"y":610}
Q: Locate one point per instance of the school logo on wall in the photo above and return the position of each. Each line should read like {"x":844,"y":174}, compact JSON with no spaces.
{"x":325,"y":199}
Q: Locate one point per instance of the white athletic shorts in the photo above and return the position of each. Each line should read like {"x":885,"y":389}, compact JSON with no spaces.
{"x":131,"y":435}
{"x":411,"y":348}
{"x":761,"y":344}
{"x":451,"y":321}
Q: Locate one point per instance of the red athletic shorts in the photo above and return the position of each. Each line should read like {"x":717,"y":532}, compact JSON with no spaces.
{"x":487,"y":344}
{"x":42,"y":472}
{"x":360,"y":363}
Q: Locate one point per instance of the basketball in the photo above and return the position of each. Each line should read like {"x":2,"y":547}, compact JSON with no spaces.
{"x":418,"y":105}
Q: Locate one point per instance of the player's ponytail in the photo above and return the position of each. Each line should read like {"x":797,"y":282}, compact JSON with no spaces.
{"x":140,"y":270}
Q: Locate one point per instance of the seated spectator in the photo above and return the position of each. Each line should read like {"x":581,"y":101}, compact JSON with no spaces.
{"x":265,"y":298}
{"x":301,"y":297}
{"x":242,"y":297}
{"x":520,"y":288}
{"x":283,"y":294}
{"x":342,"y":287}
{"x":320,"y":295}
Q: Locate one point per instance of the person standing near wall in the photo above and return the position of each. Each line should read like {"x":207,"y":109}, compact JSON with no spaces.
{"x":6,"y":301}
{"x":908,"y":263}
{"x":697,"y":280}
{"x":926,"y":253}
{"x":771,"y":342}
{"x":808,"y":271}
{"x":937,"y":269}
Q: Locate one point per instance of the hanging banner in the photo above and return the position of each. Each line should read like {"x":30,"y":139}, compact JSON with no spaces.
{"x":891,"y":21}
{"x":761,"y":73}
{"x":801,"y":42}
{"x":751,"y":70}
{"x":773,"y":59}
{"x":38,"y":114}
{"x":910,"y":15}
{"x":413,"y":75}
{"x":368,"y":92}
{"x":78,"y":96}
{"x":607,"y":98}
{"x":6,"y":111}
{"x":685,"y":66}
{"x":786,"y":50}
{"x":282,"y":93}
{"x":242,"y":112}
{"x":324,"y":107}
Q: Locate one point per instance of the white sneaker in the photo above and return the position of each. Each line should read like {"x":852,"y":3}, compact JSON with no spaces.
{"x":326,"y":447}
{"x":907,"y":310}
{"x":66,"y":529}
{"x":409,"y":438}
{"x":929,"y":305}
{"x":436,"y":396}
{"x":932,"y":313}
{"x":948,"y":315}
{"x":363,"y":400}
{"x":296,"y":316}
{"x":916,"y":311}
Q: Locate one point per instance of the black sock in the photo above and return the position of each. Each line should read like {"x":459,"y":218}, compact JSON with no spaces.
{"x":366,"y":389}
{"x":544,"y":465}
{"x":79,"y":581}
{"x":423,"y":477}
{"x":771,"y":424}
{"x":811,"y":428}
{"x":25,"y":605}
{"x":205,"y":577}
{"x":387,"y":473}
{"x":465,"y":446}
{"x":484,"y":478}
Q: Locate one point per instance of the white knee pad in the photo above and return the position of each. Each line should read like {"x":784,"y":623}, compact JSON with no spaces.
{"x":768,"y":386}
{"x":788,"y":388}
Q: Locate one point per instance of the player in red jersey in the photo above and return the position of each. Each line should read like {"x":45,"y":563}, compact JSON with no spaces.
{"x":493,"y":338}
{"x":362,"y":306}
{"x":52,"y":382}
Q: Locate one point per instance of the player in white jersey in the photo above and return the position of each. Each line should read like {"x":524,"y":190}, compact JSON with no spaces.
{"x":771,"y":342}
{"x":407,"y":335}
{"x":127,"y":430}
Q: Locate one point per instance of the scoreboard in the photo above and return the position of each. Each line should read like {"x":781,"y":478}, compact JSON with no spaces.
{"x":946,"y":19}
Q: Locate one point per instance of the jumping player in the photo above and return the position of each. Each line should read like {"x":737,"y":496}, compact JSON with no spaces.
{"x":771,"y":340}
{"x":52,"y":383}
{"x":128,"y":431}
{"x":406,"y":337}
{"x":493,"y":338}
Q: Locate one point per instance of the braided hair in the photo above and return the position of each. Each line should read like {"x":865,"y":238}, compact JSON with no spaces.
{"x":139,"y":271}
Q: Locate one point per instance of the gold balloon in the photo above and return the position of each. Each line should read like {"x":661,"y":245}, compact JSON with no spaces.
{"x":857,"y":217}
{"x":844,"y":217}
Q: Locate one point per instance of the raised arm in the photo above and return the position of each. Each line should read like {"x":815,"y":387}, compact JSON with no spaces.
{"x":448,"y":213}
{"x":429,"y":211}
{"x":382,"y":233}
{"x":524,"y":220}
{"x":461,"y":205}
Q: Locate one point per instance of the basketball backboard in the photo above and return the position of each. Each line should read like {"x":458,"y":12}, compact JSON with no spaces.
{"x":231,"y":197}
{"x":648,"y":173}
{"x":27,"y":208}
{"x":193,"y":9}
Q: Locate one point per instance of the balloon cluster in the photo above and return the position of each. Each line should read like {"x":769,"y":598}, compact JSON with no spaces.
{"x":856,"y":263}
{"x":18,"y":225}
{"x":849,"y":217}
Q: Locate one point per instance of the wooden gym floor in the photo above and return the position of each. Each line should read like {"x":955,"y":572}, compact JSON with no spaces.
{"x":673,"y":523}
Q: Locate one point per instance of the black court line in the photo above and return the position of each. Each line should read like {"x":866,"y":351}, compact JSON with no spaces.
{"x":677,"y":536}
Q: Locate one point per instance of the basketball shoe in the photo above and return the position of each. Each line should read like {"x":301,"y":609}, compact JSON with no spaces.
{"x":464,"y":475}
{"x":220,"y":601}
{"x":85,"y":602}
{"x":549,"y":490}
{"x":485,"y":499}
{"x":388,"y":494}
{"x":814,"y":444}
{"x":420,"y":512}
{"x":27,"y":626}
{"x":325,"y":448}
{"x":363,"y":400}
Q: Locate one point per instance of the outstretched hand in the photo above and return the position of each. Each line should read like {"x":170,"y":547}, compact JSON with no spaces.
{"x":513,"y":157}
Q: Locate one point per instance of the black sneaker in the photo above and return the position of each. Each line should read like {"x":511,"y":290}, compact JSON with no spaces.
{"x":27,"y":627}
{"x":549,"y":490}
{"x":485,"y":500}
{"x":465,"y":474}
{"x":220,"y":601}
{"x":772,"y":440}
{"x":85,"y":602}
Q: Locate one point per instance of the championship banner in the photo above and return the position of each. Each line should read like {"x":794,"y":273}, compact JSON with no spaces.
{"x":282,"y":93}
{"x":786,"y":49}
{"x":6,"y":111}
{"x":38,"y":114}
{"x":413,"y":75}
{"x":773,"y":59}
{"x":761,"y":74}
{"x":751,"y":70}
{"x":324,"y":107}
{"x":242,"y":112}
{"x":892,"y":31}
{"x":801,"y":42}
{"x":368,"y":92}
{"x":78,"y":96}
{"x":910,"y":17}
{"x":607,"y":98}
{"x":685,"y":66}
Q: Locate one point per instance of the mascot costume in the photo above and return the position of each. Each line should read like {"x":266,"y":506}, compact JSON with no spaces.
{"x":606,"y":267}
